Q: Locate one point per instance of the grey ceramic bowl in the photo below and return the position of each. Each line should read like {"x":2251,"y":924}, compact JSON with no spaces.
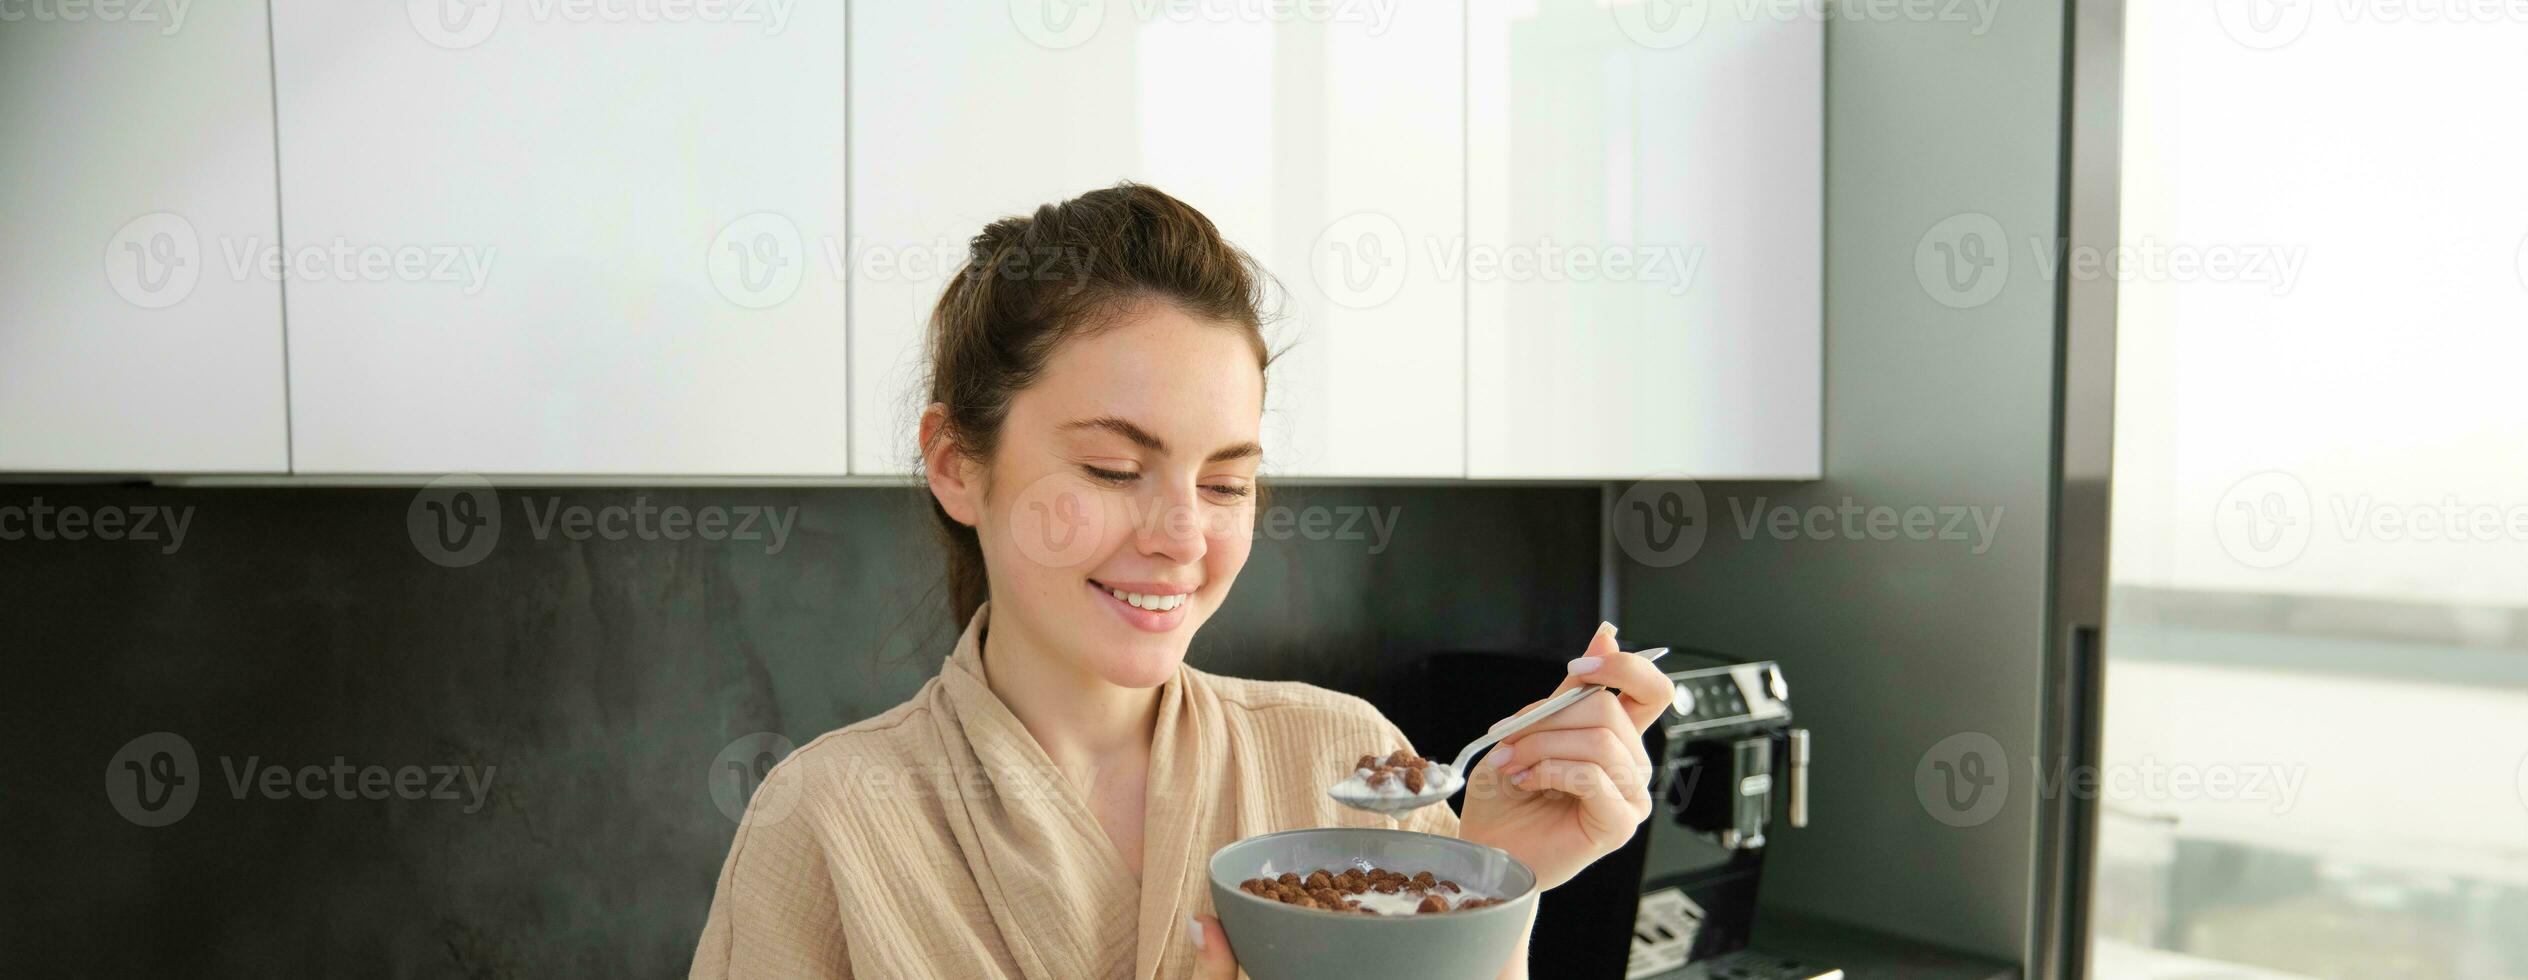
{"x":1274,"y":941}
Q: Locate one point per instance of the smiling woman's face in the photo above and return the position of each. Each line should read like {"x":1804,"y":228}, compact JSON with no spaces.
{"x":1119,"y":504}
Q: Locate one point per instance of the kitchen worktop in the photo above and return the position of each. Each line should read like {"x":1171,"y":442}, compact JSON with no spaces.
{"x":1866,"y":954}
{"x":1861,"y":954}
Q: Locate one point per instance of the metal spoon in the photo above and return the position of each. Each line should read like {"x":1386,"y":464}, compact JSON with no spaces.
{"x":1440,"y":783}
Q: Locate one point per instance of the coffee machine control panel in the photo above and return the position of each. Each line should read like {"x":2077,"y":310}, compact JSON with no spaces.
{"x":1723,"y":697}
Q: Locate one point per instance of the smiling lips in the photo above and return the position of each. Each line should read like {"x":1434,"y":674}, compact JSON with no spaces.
{"x":1148,"y":606}
{"x":1152,"y":601}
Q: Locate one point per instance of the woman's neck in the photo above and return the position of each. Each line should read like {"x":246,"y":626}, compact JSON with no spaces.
{"x":1083,"y":722}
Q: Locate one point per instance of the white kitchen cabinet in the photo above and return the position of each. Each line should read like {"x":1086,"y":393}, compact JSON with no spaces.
{"x":563,"y":238}
{"x":1646,"y":179}
{"x":138,"y":162}
{"x":1328,"y":143}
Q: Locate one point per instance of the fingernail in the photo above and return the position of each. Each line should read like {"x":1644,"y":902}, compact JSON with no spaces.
{"x":1194,"y":931}
{"x":1500,"y":756}
{"x":1521,"y":779}
{"x":1606,"y":629}
{"x":1583,"y":665}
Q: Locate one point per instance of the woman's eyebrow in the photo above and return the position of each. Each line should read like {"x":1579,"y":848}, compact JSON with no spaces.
{"x":1243,"y":450}
{"x":1139,"y":436}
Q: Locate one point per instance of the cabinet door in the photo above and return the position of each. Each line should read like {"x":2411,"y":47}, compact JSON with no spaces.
{"x":564,"y":238}
{"x":1329,"y":143}
{"x":138,"y":163}
{"x":1644,"y":206}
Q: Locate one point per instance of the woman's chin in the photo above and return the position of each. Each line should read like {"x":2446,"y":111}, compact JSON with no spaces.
{"x":1141,"y":666}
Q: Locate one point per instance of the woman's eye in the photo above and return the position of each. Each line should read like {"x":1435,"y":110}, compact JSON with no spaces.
{"x":1231,"y":490}
{"x":1104,"y":475}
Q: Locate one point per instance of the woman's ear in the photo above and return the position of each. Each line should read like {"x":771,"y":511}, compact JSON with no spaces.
{"x":952,"y":475}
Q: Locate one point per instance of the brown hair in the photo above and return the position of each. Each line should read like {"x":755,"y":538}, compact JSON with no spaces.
{"x":1031,"y":282}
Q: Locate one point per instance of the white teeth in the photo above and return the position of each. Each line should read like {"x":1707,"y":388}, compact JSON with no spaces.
{"x":1153,"y":603}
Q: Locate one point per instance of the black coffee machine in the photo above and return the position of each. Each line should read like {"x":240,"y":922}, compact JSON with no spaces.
{"x":1675,"y":902}
{"x":1730,"y":762}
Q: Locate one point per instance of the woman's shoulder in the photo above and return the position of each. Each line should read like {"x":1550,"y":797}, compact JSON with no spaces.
{"x":1294,"y":700}
{"x":888,"y":737}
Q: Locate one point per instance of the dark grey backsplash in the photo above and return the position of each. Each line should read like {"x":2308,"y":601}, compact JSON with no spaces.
{"x":588,"y":687}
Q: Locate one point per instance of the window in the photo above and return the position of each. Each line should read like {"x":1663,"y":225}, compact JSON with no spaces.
{"x":2316,"y":739}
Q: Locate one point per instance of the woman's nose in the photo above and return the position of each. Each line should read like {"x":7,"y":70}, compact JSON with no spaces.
{"x":1174,"y":528}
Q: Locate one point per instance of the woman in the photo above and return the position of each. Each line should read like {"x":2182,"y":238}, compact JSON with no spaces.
{"x":1046,"y":806}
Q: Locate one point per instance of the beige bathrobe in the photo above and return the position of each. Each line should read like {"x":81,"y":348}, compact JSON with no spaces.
{"x":937,"y":840}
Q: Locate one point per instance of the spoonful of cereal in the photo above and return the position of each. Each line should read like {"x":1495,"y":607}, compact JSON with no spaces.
{"x":1402,"y":782}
